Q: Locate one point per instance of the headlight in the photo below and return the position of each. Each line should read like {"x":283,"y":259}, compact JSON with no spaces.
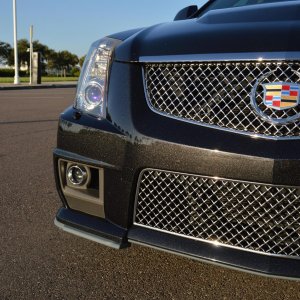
{"x":92,"y":85}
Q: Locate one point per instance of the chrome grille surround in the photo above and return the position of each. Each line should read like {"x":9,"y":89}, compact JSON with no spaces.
{"x":218,"y":95}
{"x":249,"y":216}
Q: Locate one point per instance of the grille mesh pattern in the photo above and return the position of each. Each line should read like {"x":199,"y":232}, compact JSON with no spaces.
{"x":218,"y":94}
{"x":251,"y":216}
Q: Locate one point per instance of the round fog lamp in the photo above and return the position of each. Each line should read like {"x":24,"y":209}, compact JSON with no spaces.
{"x":77,"y":175}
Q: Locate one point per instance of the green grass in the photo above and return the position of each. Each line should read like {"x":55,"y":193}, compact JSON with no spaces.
{"x":44,"y":79}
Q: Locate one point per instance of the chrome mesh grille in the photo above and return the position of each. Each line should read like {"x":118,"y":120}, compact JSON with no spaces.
{"x":218,"y":94}
{"x":251,"y":216}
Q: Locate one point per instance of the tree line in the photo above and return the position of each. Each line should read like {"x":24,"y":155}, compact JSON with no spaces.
{"x":51,"y":59}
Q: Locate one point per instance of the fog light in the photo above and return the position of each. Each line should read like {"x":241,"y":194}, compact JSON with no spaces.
{"x":77,"y":175}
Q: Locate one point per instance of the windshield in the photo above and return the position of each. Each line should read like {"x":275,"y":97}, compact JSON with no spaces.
{"x":219,"y":4}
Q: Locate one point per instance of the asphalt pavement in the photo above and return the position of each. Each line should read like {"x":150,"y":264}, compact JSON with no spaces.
{"x":37,"y":261}
{"x":43,"y":85}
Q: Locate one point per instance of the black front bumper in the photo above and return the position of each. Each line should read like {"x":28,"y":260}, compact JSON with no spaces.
{"x":134,"y":138}
{"x":99,"y":230}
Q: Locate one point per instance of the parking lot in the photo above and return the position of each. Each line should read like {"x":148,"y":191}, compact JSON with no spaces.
{"x":37,"y":261}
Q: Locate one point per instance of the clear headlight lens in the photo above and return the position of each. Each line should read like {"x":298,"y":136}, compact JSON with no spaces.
{"x":92,"y":85}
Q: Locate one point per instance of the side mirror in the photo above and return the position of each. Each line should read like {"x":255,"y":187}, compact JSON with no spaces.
{"x":186,"y":13}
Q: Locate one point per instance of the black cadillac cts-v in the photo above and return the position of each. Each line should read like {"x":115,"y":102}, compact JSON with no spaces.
{"x":185,"y":136}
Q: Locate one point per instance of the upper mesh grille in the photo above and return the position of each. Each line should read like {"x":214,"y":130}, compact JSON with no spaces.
{"x":218,"y":94}
{"x":251,"y":216}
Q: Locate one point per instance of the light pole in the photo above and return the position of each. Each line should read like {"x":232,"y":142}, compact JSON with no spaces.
{"x":30,"y":53}
{"x":17,"y":79}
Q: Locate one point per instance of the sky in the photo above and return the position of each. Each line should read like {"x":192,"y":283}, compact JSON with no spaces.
{"x":74,"y":24}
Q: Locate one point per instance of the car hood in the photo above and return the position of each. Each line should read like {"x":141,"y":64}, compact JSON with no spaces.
{"x":257,"y":28}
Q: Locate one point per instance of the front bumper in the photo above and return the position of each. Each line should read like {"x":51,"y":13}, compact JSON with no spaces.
{"x":91,"y":228}
{"x":133,"y":138}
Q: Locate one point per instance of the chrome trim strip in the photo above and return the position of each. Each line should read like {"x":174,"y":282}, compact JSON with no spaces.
{"x":213,"y":57}
{"x":86,"y":235}
{"x":199,"y":239}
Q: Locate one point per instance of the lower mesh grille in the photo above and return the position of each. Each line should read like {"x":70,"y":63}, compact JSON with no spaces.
{"x":251,"y":216}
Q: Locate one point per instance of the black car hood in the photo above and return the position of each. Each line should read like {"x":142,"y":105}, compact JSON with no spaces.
{"x":256,"y":28}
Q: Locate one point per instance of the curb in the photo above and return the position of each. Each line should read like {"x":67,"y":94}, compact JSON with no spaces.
{"x":42,"y":86}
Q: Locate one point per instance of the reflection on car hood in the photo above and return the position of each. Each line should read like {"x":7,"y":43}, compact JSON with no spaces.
{"x":257,"y":28}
